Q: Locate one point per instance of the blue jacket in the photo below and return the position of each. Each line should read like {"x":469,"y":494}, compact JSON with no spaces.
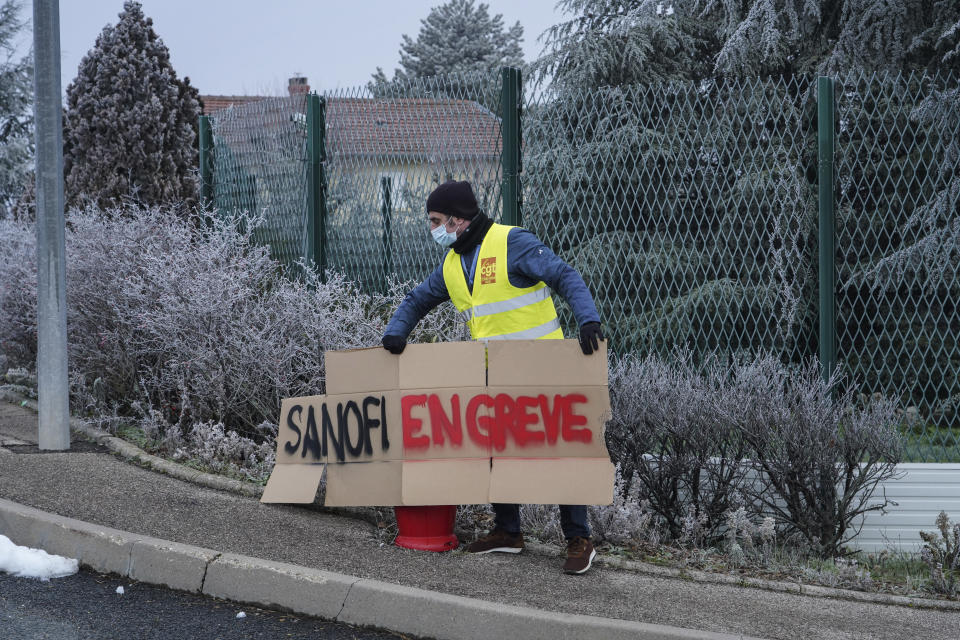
{"x":529,"y":261}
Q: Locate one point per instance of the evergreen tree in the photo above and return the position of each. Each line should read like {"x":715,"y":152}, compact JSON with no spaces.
{"x":130,"y":126}
{"x":457,"y":38}
{"x":681,"y":138}
{"x":16,"y":111}
{"x":609,"y":42}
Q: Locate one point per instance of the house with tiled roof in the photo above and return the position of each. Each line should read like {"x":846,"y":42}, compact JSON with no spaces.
{"x":403,"y":145}
{"x":212,"y":104}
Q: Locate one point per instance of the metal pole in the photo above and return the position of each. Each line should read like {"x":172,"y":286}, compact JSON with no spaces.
{"x":828,"y":311}
{"x":53,"y":388}
{"x":317,"y":184}
{"x":510,"y":155}
{"x":206,"y":166}
{"x":386,"y":209}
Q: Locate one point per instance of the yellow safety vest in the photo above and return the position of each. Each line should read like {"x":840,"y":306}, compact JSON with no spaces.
{"x":495,"y":309}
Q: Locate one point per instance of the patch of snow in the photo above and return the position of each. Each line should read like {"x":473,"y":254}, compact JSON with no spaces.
{"x":120,"y":590}
{"x":24,"y":562}
{"x":241,"y":615}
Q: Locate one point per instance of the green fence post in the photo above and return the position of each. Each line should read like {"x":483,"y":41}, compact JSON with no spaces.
{"x":206,"y":165}
{"x":386,"y":209}
{"x":827,"y":223}
{"x":510,"y":106}
{"x":316,"y":184}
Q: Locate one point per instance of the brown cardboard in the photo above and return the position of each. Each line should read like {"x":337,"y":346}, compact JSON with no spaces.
{"x":550,"y":422}
{"x":461,"y":481}
{"x":295,"y":483}
{"x":437,"y":365}
{"x":291,"y":427}
{"x":364,"y":484}
{"x":545,"y":363}
{"x":360,"y":370}
{"x":310,"y":428}
{"x":431,"y":426}
{"x":443,"y":365}
{"x":426,"y":427}
{"x":552,"y":480}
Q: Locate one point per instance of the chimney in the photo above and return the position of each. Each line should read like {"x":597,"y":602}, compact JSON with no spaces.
{"x":297,"y":86}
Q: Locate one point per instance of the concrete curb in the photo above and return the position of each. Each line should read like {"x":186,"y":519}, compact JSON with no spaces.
{"x":334,"y":596}
{"x":211,"y":481}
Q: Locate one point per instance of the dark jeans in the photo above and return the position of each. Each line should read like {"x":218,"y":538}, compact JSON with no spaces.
{"x":573,"y":519}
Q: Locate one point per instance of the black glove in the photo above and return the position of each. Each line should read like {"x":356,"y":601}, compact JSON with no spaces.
{"x":590,"y":335}
{"x":394,"y":344}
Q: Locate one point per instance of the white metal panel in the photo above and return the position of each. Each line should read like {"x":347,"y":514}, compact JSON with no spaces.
{"x":921,"y":491}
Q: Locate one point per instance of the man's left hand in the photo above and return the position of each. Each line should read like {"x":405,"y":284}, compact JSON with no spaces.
{"x":590,"y":336}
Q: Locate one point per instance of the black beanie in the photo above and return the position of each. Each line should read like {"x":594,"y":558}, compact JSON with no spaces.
{"x":454,"y":198}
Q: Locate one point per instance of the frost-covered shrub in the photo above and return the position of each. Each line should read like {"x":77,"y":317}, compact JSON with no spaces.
{"x":674,"y":429}
{"x":941,"y":554}
{"x":542,"y":521}
{"x":199,"y":326}
{"x":704,"y":440}
{"x":629,"y":521}
{"x":746,"y":540}
{"x":18,"y":292}
{"x":224,"y":450}
{"x":820,"y":456}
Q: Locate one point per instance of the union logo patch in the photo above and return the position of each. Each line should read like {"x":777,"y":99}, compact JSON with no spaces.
{"x":488,"y":270}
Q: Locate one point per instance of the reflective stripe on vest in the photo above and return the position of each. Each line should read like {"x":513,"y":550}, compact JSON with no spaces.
{"x":495,"y":309}
{"x":529,"y":334}
{"x":506,"y":305}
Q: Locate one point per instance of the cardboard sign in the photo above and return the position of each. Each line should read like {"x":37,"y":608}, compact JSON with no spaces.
{"x":453,"y":423}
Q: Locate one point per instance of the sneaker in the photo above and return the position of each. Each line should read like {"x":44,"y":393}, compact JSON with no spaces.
{"x":580,"y":555}
{"x":499,"y":541}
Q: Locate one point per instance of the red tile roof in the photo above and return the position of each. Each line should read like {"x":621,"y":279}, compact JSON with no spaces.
{"x":212,"y":104}
{"x":412,"y":128}
{"x":419,"y":129}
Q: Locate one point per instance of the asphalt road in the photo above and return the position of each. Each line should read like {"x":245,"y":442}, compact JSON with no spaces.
{"x":86,"y":606}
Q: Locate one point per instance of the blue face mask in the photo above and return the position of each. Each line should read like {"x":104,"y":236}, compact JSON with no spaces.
{"x":443,"y":237}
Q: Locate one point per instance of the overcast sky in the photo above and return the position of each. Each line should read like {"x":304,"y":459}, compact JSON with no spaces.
{"x":237,"y":47}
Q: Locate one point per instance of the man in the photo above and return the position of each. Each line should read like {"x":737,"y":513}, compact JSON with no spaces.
{"x":500,"y":280}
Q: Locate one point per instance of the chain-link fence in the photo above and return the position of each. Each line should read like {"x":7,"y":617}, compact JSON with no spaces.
{"x":260,"y":168}
{"x":898,"y":248}
{"x":691,"y":210}
{"x":388,"y":147}
{"x":685,"y":207}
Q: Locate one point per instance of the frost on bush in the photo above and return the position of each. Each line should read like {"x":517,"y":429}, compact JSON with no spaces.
{"x":224,"y":451}
{"x":199,"y":327}
{"x":474,"y":520}
{"x":18,"y":292}
{"x":628,"y":521}
{"x":941,"y":554}
{"x":819,"y":456}
{"x":703,"y":440}
{"x":740,"y":532}
{"x":542,"y":521}
{"x":175,"y":327}
{"x":674,"y":429}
